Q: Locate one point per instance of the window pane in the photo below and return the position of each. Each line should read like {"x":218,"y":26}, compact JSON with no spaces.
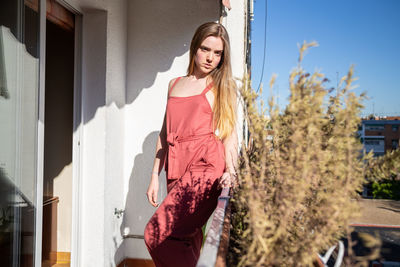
{"x":19,"y":72}
{"x":374,"y":127}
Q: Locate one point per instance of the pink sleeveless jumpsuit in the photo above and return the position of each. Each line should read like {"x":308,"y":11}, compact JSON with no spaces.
{"x":195,"y":160}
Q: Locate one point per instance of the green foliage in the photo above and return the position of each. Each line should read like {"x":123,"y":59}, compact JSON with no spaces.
{"x":384,"y":172}
{"x":387,"y":189}
{"x":296,"y":181}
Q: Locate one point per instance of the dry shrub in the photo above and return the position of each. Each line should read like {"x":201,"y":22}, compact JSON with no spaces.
{"x":385,"y":167}
{"x":384,"y":173}
{"x":299,"y":174}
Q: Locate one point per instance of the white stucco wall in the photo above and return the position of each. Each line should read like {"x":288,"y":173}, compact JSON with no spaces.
{"x":235,"y":25}
{"x":104,"y":40}
{"x":159,"y":35}
{"x":235,"y":22}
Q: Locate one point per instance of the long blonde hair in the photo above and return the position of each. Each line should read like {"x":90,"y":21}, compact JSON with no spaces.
{"x":224,"y":87}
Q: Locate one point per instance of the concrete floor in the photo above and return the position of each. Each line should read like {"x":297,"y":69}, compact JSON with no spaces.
{"x":379,"y":211}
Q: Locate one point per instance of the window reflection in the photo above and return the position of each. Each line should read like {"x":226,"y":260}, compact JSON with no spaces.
{"x":19,"y":67}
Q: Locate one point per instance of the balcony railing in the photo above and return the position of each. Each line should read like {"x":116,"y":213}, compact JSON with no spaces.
{"x":216,"y":244}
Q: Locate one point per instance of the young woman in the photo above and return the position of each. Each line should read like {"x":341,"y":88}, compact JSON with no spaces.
{"x":198,"y":142}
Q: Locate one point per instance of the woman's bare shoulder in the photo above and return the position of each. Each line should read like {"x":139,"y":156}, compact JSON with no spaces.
{"x":171,"y":82}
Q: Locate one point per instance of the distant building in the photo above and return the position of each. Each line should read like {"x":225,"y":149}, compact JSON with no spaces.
{"x":380,"y":134}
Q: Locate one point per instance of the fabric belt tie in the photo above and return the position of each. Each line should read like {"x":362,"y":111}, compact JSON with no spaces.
{"x":173,"y":139}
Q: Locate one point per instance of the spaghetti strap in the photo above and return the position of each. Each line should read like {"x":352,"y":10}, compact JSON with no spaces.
{"x":173,"y":85}
{"x":209,"y":86}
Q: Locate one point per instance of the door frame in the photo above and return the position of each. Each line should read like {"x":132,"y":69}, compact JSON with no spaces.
{"x":40,"y":135}
{"x":76,"y":137}
{"x":76,"y":140}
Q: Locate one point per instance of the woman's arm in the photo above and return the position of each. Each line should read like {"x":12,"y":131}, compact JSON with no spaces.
{"x":231,"y":159}
{"x":161,"y":150}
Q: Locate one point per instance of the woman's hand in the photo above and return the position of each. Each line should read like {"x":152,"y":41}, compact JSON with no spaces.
{"x":152,"y":190}
{"x":228,"y":180}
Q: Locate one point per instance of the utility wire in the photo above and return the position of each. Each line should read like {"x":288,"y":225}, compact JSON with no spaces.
{"x":265,"y":47}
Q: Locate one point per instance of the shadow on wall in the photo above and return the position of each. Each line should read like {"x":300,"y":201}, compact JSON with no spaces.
{"x":158,"y":32}
{"x":137,"y":209}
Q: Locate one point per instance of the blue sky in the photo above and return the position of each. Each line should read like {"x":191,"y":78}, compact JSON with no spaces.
{"x":365,"y":33}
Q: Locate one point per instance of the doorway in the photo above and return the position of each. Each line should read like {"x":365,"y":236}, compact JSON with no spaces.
{"x":58,"y":136}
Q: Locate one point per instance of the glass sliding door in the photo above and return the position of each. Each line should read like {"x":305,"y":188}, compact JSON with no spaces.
{"x":19,"y":86}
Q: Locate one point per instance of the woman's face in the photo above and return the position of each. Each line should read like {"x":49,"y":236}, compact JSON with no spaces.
{"x":209,"y":54}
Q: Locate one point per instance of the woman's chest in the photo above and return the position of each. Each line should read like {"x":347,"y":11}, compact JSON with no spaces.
{"x":192,"y":111}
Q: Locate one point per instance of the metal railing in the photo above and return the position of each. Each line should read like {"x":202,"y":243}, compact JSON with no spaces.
{"x":209,"y":253}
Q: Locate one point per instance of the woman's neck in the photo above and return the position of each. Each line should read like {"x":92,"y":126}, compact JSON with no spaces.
{"x":197,"y":75}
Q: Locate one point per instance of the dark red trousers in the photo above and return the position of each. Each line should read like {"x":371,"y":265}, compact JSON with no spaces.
{"x":173,"y":235}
